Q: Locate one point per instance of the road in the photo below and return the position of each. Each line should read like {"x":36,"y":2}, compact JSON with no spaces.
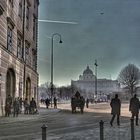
{"x":61,"y":124}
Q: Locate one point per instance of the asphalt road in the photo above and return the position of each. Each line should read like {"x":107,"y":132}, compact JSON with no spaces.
{"x":59,"y":122}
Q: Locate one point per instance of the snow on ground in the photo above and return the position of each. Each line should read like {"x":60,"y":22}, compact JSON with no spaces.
{"x":100,"y":108}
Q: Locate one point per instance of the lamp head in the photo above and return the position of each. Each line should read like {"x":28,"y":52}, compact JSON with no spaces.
{"x":60,"y":41}
{"x":0,"y":76}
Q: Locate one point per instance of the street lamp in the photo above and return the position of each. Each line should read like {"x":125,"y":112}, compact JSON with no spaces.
{"x":96,"y":77}
{"x":60,"y":41}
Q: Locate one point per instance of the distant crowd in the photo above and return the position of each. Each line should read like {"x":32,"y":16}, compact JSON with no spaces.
{"x":48,"y":102}
{"x":15,"y":106}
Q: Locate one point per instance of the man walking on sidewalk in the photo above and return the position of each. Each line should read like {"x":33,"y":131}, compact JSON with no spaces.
{"x":134,"y":107}
{"x":116,"y":107}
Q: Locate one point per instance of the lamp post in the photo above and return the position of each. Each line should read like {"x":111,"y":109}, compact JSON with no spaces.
{"x":96,"y":65}
{"x":60,"y":41}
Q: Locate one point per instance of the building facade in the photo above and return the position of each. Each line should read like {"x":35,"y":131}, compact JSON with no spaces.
{"x":18,"y":49}
{"x":86,"y":84}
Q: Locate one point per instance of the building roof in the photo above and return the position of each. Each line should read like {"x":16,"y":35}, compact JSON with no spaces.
{"x":87,"y":71}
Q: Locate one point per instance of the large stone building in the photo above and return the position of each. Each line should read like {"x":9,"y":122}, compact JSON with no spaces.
{"x":18,"y":49}
{"x":86,"y":84}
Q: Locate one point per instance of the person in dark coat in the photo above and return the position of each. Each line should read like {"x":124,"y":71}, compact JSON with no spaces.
{"x":8,"y":105}
{"x":26,"y":106}
{"x":55,"y":102}
{"x":47,"y":101}
{"x":33,"y":106}
{"x":16,"y":107}
{"x":116,"y":107}
{"x":134,"y":107}
{"x":87,"y":102}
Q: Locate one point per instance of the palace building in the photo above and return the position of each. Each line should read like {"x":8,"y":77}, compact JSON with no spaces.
{"x":18,"y":50}
{"x":86,"y":84}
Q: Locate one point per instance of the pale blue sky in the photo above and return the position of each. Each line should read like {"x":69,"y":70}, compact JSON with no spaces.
{"x":113,"y":38}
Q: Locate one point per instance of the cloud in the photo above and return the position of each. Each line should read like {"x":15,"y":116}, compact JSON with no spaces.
{"x":55,"y":21}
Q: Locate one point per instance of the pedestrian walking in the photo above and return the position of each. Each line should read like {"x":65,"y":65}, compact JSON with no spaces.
{"x":16,"y":107}
{"x":115,"y":109}
{"x":20,"y":105}
{"x":33,"y":107}
{"x":82,"y":104}
{"x":134,"y":107}
{"x":47,"y":102}
{"x":87,"y":102}
{"x":55,"y":102}
{"x":8,"y":105}
{"x":26,"y":106}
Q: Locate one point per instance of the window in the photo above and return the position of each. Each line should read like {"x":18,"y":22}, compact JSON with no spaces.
{"x":34,"y":63}
{"x":9,"y":39}
{"x":27,"y":53}
{"x":35,"y":93}
{"x":27,"y":17}
{"x":20,"y":9}
{"x":34,"y":28}
{"x":27,"y":49}
{"x":11,"y":2}
{"x":19,"y":47}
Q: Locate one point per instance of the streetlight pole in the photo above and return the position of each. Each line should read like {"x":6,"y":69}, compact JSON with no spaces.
{"x":60,"y":41}
{"x":96,"y":65}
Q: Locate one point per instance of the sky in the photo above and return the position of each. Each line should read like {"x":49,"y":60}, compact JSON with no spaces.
{"x":106,"y":30}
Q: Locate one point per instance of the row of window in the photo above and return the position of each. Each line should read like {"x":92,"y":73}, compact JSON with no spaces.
{"x":24,"y":10}
{"x":27,"y":16}
{"x":20,"y":49}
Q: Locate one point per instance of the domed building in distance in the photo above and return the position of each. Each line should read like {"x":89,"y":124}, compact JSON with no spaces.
{"x":86,"y":84}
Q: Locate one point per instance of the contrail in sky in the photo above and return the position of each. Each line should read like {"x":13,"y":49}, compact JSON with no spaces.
{"x":55,"y":21}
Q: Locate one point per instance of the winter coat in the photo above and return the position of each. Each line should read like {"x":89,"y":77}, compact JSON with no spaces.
{"x":134,"y":106}
{"x":116,"y":106}
{"x":32,"y":104}
{"x":16,"y":105}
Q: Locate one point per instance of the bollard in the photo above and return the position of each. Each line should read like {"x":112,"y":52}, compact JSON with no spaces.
{"x":101,"y":130}
{"x":44,"y":136}
{"x":132,"y":129}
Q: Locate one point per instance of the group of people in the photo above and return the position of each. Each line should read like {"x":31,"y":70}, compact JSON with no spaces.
{"x":134,"y":107}
{"x":14,"y":106}
{"x":47,"y":102}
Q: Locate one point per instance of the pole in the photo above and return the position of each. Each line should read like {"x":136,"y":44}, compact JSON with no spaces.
{"x":44,"y":134}
{"x":96,"y":77}
{"x":52,"y":85}
{"x":132,"y":129}
{"x":51,"y":71}
{"x":101,"y":130}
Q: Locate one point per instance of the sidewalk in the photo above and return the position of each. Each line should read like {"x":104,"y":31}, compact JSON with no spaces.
{"x":25,"y":117}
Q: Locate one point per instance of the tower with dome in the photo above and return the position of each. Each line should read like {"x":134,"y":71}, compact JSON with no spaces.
{"x":87,"y":75}
{"x":86,"y":84}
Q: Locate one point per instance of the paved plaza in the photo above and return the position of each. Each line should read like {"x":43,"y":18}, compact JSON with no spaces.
{"x":63,"y":125}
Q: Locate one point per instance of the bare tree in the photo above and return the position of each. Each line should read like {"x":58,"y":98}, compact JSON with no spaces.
{"x":129,"y":77}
